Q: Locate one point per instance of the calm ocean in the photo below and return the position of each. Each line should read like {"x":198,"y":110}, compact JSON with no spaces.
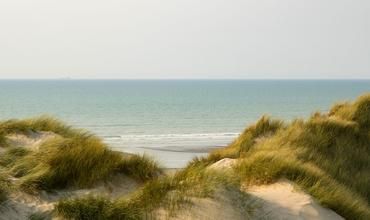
{"x":172,"y":120}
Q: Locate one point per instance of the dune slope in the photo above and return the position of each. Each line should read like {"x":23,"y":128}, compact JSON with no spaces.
{"x":327,"y":155}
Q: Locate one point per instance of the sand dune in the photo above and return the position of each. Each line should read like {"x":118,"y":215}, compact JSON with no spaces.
{"x":21,"y":205}
{"x":225,"y":204}
{"x":282,"y":200}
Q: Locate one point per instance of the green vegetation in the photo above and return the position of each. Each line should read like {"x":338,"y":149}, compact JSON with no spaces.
{"x":73,"y":158}
{"x":170,"y":193}
{"x":3,"y":188}
{"x":2,"y":139}
{"x":38,"y":216}
{"x":10,"y":156}
{"x":42,"y":123}
{"x":328,"y":155}
{"x":265,"y":127}
{"x":85,"y":208}
{"x":139,"y":167}
{"x":62,"y":162}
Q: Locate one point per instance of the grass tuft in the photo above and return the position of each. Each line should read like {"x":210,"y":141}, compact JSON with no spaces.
{"x":41,"y":123}
{"x":2,"y":139}
{"x":38,"y":216}
{"x":171,"y":193}
{"x":264,"y":127}
{"x":3,"y":188}
{"x":140,"y":167}
{"x":361,"y":113}
{"x":63,"y":162}
{"x":85,"y":208}
{"x":12,"y":155}
{"x":74,"y":158}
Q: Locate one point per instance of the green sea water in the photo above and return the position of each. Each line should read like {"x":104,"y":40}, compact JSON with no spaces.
{"x":172,"y":120}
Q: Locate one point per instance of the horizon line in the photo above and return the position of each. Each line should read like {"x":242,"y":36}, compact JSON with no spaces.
{"x":169,"y":79}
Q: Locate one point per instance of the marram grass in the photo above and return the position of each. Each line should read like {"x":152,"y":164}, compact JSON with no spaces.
{"x":140,"y":167}
{"x":74,"y":158}
{"x":2,"y":139}
{"x":328,"y":155}
{"x":42,"y":123}
{"x":3,"y":187}
{"x":171,"y":193}
{"x":62,"y":162}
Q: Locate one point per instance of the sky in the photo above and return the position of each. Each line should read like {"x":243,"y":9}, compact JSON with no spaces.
{"x":181,"y":39}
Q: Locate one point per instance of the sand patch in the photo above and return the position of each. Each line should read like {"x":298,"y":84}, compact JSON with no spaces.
{"x":21,"y":205}
{"x":282,"y":200}
{"x":31,"y":140}
{"x":225,"y":164}
{"x":225,"y":204}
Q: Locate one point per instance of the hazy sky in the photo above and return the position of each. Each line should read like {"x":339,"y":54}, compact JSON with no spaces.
{"x":185,"y":39}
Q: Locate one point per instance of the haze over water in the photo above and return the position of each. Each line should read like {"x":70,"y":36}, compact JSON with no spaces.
{"x":172,"y":120}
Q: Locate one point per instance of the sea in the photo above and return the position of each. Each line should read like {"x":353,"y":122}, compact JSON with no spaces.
{"x":172,"y":121}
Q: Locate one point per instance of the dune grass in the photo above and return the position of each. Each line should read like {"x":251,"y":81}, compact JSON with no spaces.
{"x":265,"y":127}
{"x":7,"y":159}
{"x":12,"y":155}
{"x":74,"y":158}
{"x":64,"y":162}
{"x":38,"y":216}
{"x":171,"y":193}
{"x":328,"y":155}
{"x":2,"y":139}
{"x":41,"y":123}
{"x":140,"y":167}
{"x":80,"y":161}
{"x":3,"y":188}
